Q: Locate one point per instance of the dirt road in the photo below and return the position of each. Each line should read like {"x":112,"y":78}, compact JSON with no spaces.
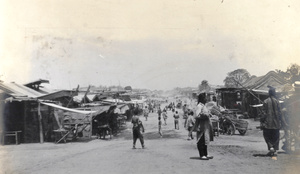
{"x":172,"y":153}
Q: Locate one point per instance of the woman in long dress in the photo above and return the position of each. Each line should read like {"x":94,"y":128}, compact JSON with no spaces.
{"x":203,"y":127}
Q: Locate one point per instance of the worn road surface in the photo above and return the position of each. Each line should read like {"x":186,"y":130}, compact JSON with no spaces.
{"x":172,"y":153}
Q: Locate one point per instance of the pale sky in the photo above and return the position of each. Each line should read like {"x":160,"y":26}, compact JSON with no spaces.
{"x":157,"y":44}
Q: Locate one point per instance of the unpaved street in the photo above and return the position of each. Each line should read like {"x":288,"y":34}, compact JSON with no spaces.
{"x":172,"y":153}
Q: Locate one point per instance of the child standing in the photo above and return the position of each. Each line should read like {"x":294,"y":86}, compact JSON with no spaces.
{"x":176,"y":120}
{"x":190,"y":124}
{"x":159,"y":127}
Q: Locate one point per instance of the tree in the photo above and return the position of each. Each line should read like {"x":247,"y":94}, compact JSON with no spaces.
{"x":204,"y":86}
{"x":236,"y":77}
{"x":292,"y":73}
{"x":282,"y":74}
{"x":128,"y":88}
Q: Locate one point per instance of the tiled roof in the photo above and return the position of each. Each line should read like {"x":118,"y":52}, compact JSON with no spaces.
{"x":262,"y":82}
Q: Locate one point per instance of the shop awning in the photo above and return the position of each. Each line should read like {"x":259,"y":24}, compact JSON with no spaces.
{"x":68,"y":109}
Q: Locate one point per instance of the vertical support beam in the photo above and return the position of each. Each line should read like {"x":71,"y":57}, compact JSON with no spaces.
{"x":87,"y":91}
{"x":222,"y":99}
{"x":40,"y":123}
{"x":91,"y":126}
{"x":25,"y":104}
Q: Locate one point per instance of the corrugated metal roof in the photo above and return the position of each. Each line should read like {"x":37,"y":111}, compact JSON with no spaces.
{"x":18,"y":90}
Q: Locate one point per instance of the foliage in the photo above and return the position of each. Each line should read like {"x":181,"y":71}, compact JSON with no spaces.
{"x":292,"y":73}
{"x":204,"y":86}
{"x":236,"y":77}
{"x":128,"y":88}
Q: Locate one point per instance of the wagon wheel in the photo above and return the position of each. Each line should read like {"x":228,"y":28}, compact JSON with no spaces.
{"x":230,"y":129}
{"x":242,"y":132}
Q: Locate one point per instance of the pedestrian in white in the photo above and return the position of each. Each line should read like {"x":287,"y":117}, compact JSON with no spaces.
{"x":165,"y":116}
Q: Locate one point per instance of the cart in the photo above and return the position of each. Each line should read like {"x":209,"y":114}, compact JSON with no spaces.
{"x":229,"y":124}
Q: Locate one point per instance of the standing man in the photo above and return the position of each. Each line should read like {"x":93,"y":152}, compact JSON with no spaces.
{"x":136,"y":129}
{"x":185,"y":114}
{"x":176,"y":120}
{"x":159,"y":127}
{"x":271,"y":122}
{"x":165,"y":116}
{"x":159,"y":112}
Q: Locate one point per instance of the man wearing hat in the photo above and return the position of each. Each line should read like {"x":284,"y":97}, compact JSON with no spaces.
{"x":272,"y":121}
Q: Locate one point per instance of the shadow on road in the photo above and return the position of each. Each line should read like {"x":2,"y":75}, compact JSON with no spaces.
{"x":263,"y":155}
{"x":167,"y":134}
{"x":195,"y":158}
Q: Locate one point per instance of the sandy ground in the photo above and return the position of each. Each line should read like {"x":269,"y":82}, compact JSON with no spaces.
{"x":172,"y":153}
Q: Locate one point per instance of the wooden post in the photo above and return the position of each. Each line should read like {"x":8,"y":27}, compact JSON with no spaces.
{"x":73,"y":94}
{"x":25,"y":105}
{"x":40,"y":124}
{"x":87,"y":91}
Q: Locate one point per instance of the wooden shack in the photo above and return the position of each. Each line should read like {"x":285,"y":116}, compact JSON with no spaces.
{"x":21,"y":112}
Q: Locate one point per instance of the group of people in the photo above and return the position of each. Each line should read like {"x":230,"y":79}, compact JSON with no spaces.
{"x":202,"y":126}
{"x":200,"y":122}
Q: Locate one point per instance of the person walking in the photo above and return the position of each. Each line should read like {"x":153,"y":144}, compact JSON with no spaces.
{"x":203,"y":127}
{"x":185,"y":114}
{"x":271,"y":121}
{"x":190,"y":124}
{"x":146,"y":113}
{"x":136,"y":129}
{"x":176,"y":120}
{"x":165,"y":116}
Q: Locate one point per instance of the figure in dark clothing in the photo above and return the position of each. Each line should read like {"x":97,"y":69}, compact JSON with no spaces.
{"x":176,"y":120}
{"x":203,"y":127}
{"x":136,"y":130}
{"x":159,"y":112}
{"x":271,"y":121}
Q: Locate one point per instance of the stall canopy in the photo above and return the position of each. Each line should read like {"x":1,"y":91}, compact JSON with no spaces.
{"x":68,"y":109}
